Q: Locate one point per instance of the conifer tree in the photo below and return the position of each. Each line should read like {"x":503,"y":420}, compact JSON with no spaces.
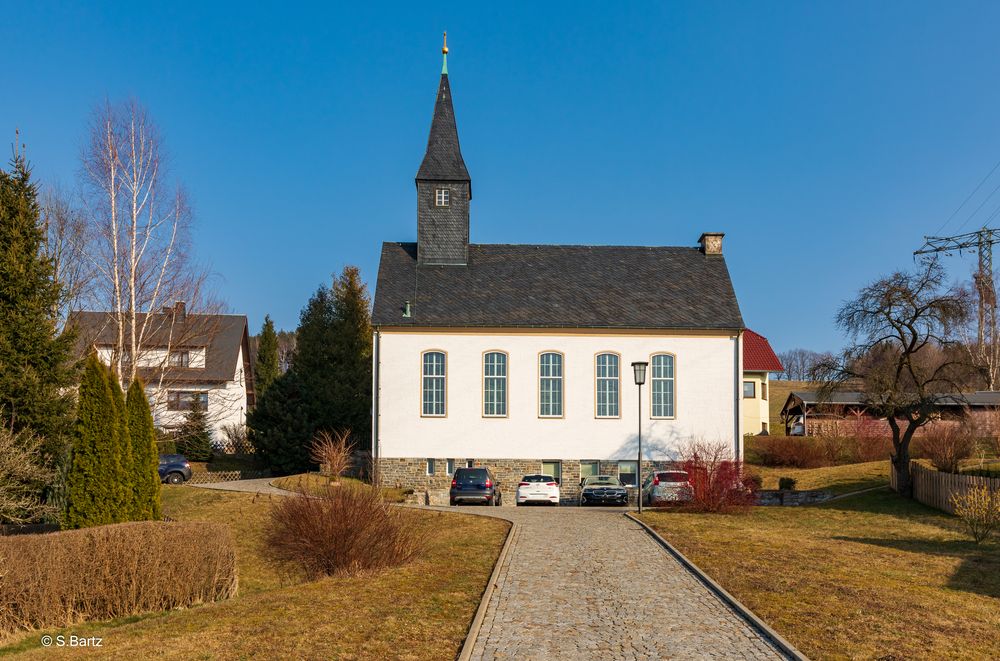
{"x":145,"y":458}
{"x":266,"y":368}
{"x":194,"y":439}
{"x":92,"y":493}
{"x":351,"y":378}
{"x":122,"y":449}
{"x":35,"y":359}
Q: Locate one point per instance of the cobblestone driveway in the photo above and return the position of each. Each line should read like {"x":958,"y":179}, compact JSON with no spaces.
{"x":589,"y":583}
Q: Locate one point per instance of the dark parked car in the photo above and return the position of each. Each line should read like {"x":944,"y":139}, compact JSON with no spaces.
{"x":174,"y":469}
{"x":476,"y":485}
{"x":603,"y":489}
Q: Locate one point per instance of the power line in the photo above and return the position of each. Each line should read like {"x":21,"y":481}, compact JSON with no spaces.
{"x":981,"y":205}
{"x":966,"y":200}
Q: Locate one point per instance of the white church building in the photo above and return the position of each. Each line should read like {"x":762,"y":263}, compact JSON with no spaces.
{"x":518,"y":357}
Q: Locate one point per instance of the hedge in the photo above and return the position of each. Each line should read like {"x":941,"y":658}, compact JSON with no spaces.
{"x":106,"y":572}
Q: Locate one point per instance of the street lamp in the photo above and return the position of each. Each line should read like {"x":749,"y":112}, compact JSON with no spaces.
{"x":639,"y":368}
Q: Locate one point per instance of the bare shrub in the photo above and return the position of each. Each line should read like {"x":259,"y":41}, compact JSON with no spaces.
{"x":235,"y":441}
{"x":23,"y":478}
{"x":332,"y":451}
{"x":946,"y":446}
{"x":106,"y":572}
{"x":871,"y":441}
{"x":794,"y":451}
{"x":979,"y":508}
{"x":343,"y":530}
{"x":718,"y":483}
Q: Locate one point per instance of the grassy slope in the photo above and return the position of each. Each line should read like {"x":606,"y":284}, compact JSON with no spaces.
{"x":420,"y":611}
{"x":778,"y":393}
{"x":314,"y":482}
{"x":859,"y":578}
{"x":836,"y":479}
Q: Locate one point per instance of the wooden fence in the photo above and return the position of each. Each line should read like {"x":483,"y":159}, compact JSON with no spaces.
{"x":935,"y":489}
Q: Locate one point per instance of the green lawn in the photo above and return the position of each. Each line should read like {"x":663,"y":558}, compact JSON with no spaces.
{"x":836,"y":479}
{"x":873,"y":576}
{"x":418,"y":611}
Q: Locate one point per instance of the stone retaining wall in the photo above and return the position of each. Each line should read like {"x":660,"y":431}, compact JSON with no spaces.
{"x":411,"y":473}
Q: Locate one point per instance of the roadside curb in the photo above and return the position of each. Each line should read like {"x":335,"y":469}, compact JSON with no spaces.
{"x":484,"y":603}
{"x":773,"y":636}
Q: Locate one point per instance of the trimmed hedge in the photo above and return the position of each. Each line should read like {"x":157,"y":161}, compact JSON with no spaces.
{"x":106,"y":572}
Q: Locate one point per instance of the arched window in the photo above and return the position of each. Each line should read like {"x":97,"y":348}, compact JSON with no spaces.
{"x":434,"y":383}
{"x":662,"y":384}
{"x":608,"y":385}
{"x":550,"y":385}
{"x":495,"y":384}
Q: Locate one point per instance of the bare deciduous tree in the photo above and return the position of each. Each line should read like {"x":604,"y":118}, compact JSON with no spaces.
{"x":800,"y":364}
{"x":139,"y":225}
{"x":66,"y":241}
{"x":905,"y":353}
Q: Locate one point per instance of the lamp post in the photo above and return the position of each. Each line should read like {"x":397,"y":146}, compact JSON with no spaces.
{"x":639,"y":368}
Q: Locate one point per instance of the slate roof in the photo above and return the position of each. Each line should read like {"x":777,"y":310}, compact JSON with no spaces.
{"x":443,"y":160}
{"x":550,"y":286}
{"x":222,"y":335}
{"x":758,"y":356}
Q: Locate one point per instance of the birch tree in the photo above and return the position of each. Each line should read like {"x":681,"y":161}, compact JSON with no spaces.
{"x":139,"y":223}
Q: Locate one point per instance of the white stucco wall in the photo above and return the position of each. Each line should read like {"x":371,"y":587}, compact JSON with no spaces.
{"x":227,"y":403}
{"x":708,"y":387}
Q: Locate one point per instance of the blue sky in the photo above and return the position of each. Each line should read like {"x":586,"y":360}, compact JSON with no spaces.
{"x":825,"y":139}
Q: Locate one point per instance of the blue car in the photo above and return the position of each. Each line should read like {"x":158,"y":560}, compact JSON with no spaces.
{"x":174,"y":469}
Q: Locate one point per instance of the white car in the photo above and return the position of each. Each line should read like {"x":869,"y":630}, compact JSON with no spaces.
{"x":538,"y":489}
{"x":670,"y":486}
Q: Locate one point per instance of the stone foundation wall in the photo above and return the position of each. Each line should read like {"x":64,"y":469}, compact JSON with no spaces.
{"x":411,"y":473}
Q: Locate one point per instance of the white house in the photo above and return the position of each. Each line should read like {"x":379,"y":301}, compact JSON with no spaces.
{"x":183,"y":357}
{"x":519,"y":356}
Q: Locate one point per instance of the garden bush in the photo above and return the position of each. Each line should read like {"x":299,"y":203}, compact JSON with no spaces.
{"x":794,"y":451}
{"x":979,"y":508}
{"x":946,"y":446}
{"x":787,"y":483}
{"x":718,"y":484}
{"x":343,"y":529}
{"x":106,"y":572}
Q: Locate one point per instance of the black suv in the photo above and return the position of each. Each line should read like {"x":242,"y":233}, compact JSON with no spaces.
{"x":477,"y":485}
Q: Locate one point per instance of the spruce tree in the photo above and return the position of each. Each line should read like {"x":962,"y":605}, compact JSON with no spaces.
{"x":266,"y":368}
{"x":194,"y":439}
{"x":36,"y":371}
{"x":145,"y":459}
{"x":92,"y":493}
{"x":280,"y":426}
{"x":351,"y":371}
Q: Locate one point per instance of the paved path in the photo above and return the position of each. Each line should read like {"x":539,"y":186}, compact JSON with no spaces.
{"x":589,"y":583}
{"x":260,"y":485}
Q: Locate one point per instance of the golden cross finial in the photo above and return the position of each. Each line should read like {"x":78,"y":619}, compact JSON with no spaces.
{"x":444,"y":49}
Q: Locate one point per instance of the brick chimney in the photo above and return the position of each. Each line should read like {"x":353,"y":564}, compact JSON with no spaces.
{"x":711,"y":243}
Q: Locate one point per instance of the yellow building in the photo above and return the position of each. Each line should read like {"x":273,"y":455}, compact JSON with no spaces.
{"x":759,"y":360}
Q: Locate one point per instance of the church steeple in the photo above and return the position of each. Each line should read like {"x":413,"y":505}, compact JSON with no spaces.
{"x":444,"y":187}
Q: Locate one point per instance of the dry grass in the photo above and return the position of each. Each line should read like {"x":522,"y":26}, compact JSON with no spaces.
{"x":316,"y":484}
{"x":105,"y":572}
{"x":872,"y":576}
{"x":419,"y":611}
{"x":836,"y":479}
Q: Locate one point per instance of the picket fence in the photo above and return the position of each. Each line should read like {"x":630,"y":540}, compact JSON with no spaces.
{"x":935,"y":489}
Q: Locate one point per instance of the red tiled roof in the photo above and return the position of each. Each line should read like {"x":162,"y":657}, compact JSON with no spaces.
{"x":758,"y":356}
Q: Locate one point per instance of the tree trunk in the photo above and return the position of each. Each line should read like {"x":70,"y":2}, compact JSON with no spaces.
{"x":901,"y":461}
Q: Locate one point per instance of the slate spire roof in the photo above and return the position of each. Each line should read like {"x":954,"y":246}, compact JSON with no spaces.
{"x":443,"y":159}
